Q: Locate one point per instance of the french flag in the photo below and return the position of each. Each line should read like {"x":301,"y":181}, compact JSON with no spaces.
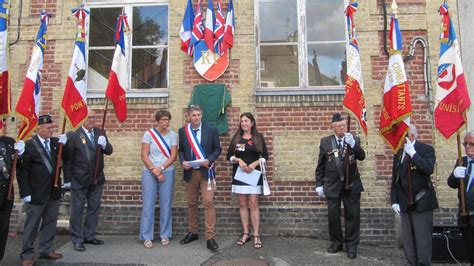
{"x":5,"y":92}
{"x":74,"y":104}
{"x":219,"y":29}
{"x":119,"y":76}
{"x":186,"y":30}
{"x":28,"y":105}
{"x":209,"y":28}
{"x":228,"y":41}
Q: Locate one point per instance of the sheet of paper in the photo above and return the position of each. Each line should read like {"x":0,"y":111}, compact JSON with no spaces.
{"x":251,"y":179}
{"x":196,"y":163}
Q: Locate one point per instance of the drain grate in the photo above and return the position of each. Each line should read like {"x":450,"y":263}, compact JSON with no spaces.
{"x":241,"y":262}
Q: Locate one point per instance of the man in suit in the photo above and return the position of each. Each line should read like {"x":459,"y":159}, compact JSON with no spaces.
{"x":466,"y":173}
{"x":199,"y":140}
{"x":416,"y":208}
{"x":331,"y":173}
{"x":35,"y":181}
{"x":80,"y":165}
{"x":7,"y":151}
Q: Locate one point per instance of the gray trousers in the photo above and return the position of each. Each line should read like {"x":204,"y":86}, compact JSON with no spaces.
{"x":44,"y":217}
{"x":417,"y":237}
{"x":84,"y":231}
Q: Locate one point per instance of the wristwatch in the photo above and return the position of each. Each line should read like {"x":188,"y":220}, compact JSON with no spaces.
{"x":162,"y":168}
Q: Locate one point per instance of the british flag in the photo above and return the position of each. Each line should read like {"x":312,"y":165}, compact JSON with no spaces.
{"x":198,"y":27}
{"x":219,"y":29}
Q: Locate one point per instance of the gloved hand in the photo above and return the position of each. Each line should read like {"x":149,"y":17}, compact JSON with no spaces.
{"x":20,"y":147}
{"x":409,"y":148}
{"x":460,"y":172}
{"x":27,"y":199}
{"x":320,"y":192}
{"x":396,"y":208}
{"x":349,"y":139}
{"x":62,"y":139}
{"x":102,"y":141}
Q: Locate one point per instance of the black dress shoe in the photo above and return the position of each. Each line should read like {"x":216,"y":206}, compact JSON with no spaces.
{"x":212,"y":244}
{"x":352,"y":254}
{"x":79,"y":247}
{"x":94,"y":241}
{"x":190,"y":237}
{"x":51,"y":256}
{"x":334,"y":248}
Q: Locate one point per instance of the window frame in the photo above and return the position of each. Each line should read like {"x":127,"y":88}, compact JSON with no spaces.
{"x":304,"y":88}
{"x":129,"y":5}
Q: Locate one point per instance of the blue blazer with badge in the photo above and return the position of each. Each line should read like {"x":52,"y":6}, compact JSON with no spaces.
{"x":209,"y":142}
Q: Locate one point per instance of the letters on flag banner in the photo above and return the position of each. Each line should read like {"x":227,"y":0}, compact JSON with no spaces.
{"x":5,"y":92}
{"x":208,"y":39}
{"x":74,"y":104}
{"x":185,"y":33}
{"x":396,"y":109}
{"x":452,"y":96}
{"x":28,"y":105}
{"x":119,"y":76}
{"x":354,"y":100}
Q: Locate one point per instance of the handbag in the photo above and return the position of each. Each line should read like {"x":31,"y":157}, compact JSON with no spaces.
{"x":266,"y":187}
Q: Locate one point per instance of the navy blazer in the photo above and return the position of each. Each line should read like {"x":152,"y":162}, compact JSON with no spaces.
{"x":209,"y":142}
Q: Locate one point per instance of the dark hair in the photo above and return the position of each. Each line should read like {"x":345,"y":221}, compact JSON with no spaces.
{"x":162,"y":113}
{"x":257,"y":138}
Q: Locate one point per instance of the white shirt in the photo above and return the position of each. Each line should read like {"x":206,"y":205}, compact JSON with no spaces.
{"x":198,"y":133}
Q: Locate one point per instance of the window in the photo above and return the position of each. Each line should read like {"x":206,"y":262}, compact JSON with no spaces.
{"x":302,"y":44}
{"x":148,"y":50}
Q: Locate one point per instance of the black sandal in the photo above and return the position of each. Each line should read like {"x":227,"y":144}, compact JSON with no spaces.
{"x":257,"y":243}
{"x":241,"y":240}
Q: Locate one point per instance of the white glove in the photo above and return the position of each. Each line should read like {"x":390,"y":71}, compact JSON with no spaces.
{"x":320,"y":192}
{"x":409,"y":148}
{"x":396,"y":208}
{"x":349,"y":139}
{"x":102,"y":141}
{"x":27,"y":199}
{"x":67,"y":185}
{"x":62,"y":139}
{"x":460,"y":172}
{"x":20,"y":147}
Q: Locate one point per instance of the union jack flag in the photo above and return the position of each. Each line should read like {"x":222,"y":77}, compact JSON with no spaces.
{"x":219,"y":29}
{"x":198,"y":27}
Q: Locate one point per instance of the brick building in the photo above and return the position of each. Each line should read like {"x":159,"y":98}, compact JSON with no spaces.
{"x":291,"y":104}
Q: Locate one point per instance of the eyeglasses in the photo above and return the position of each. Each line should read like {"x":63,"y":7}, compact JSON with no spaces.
{"x":91,"y":117}
{"x":468,"y":144}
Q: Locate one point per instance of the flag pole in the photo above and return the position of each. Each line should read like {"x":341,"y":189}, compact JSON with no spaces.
{"x":346,"y":155}
{"x":462,"y":187}
{"x":58,"y":160}
{"x":98,"y":148}
{"x":12,"y":177}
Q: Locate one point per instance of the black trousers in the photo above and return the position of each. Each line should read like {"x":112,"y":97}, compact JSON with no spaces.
{"x":351,"y":220}
{"x":4,"y":226}
{"x":468,"y":236}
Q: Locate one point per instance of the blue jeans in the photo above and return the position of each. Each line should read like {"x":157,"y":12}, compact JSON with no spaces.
{"x":150,"y":186}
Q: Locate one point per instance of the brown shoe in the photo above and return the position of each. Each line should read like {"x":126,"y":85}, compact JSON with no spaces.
{"x":28,"y":262}
{"x":51,"y":256}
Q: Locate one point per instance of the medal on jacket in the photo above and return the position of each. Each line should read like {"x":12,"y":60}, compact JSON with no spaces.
{"x":83,"y":138}
{"x":336,"y":153}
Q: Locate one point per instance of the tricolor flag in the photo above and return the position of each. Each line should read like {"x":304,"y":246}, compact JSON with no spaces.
{"x":396,"y":109}
{"x":185,"y":33}
{"x":198,"y":27}
{"x":5,"y":92}
{"x":74,"y":104}
{"x":229,"y":29}
{"x":209,"y":26}
{"x":219,"y":29}
{"x":452,"y":97}
{"x":28,"y":105}
{"x":119,"y":76}
{"x":354,"y":100}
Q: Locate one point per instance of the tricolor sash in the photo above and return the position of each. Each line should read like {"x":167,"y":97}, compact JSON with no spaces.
{"x":194,"y":143}
{"x":160,"y":142}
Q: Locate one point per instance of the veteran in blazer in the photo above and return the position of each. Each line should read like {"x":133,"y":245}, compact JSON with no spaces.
{"x":330,"y":184}
{"x":79,"y":166}
{"x":201,"y":138}
{"x":418,"y":159}
{"x":35,"y":181}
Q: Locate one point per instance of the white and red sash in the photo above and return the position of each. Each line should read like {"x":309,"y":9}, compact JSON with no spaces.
{"x":194,"y":143}
{"x":160,"y":142}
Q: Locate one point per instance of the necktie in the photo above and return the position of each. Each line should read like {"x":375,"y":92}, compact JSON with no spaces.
{"x":91,"y":138}
{"x":193,"y":156}
{"x":339,"y":146}
{"x":469,"y":176}
{"x":46,"y":147}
